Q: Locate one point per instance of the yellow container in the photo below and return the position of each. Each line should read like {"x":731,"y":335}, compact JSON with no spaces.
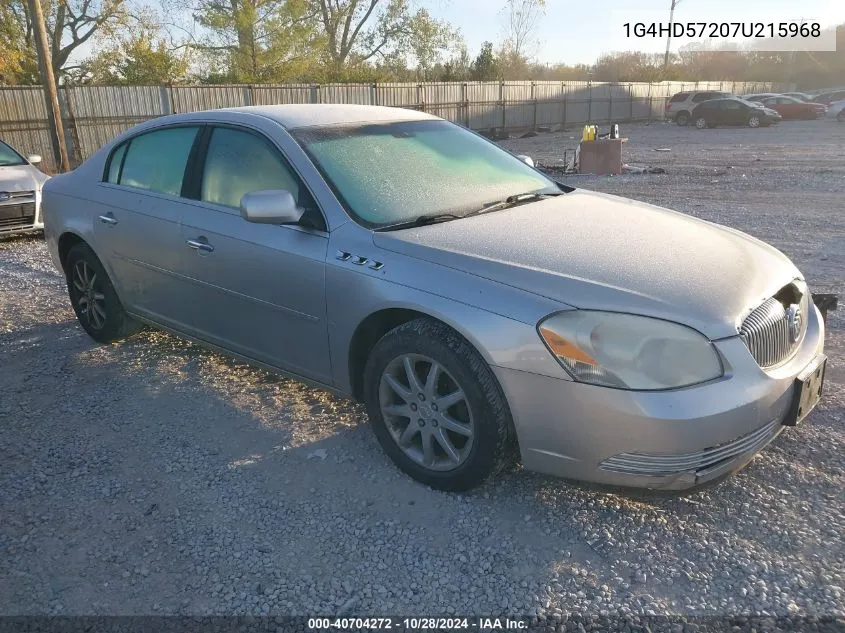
{"x":585,"y":135}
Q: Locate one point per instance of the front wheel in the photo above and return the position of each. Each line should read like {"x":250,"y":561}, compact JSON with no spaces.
{"x":701,"y":123}
{"x":436,"y":408}
{"x":94,"y":299}
{"x":754,"y":121}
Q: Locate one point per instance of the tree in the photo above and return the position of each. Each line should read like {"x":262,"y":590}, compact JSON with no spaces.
{"x":522,"y":20}
{"x":140,"y":59}
{"x":261,"y":40}
{"x":361,"y":31}
{"x":70,"y":25}
{"x":484,"y":66}
{"x":428,"y":40}
{"x":458,"y":68}
{"x":14,"y":54}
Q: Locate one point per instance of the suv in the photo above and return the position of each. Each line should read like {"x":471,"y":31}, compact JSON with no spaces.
{"x":679,"y":108}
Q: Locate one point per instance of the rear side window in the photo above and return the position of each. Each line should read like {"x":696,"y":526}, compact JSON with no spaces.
{"x":115,"y":163}
{"x":154,"y":161}
{"x":681,"y":96}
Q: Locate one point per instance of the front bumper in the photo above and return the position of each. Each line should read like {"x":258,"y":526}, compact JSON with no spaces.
{"x":663,"y":440}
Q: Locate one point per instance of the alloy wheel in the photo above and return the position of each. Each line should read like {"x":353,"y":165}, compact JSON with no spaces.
{"x":426,"y":412}
{"x":754,"y":121}
{"x":90,"y":300}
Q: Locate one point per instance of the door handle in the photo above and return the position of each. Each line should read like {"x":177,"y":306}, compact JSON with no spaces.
{"x":200,"y":246}
{"x":108,"y":219}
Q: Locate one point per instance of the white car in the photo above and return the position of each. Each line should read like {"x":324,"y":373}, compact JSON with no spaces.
{"x":836,"y":110}
{"x":20,"y":192}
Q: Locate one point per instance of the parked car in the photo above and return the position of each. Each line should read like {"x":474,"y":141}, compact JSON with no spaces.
{"x":679,"y":108}
{"x":20,"y":191}
{"x":836,"y":110}
{"x":733,"y":111}
{"x":792,"y":108}
{"x":759,"y":96}
{"x":803,"y":96}
{"x":830,"y":96}
{"x":476,"y":306}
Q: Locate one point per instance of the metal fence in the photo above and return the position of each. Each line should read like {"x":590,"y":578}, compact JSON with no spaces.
{"x":93,"y":115}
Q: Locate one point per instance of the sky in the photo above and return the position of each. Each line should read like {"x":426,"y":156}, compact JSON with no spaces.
{"x":579,"y":31}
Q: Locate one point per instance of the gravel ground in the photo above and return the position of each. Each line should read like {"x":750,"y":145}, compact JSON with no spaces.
{"x":156,"y":477}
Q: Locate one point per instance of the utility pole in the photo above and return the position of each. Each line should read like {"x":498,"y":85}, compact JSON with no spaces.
{"x":48,"y":81}
{"x":669,"y":38}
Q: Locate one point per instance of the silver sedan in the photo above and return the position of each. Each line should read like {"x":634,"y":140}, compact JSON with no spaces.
{"x":481,"y":310}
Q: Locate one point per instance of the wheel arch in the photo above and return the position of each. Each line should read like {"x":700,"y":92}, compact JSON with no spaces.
{"x":67,"y":241}
{"x":375,"y":325}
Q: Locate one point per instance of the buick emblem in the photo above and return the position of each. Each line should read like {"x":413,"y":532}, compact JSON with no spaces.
{"x":5,"y":195}
{"x":794,"y":319}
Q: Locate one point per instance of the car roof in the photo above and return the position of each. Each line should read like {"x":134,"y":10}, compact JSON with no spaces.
{"x":293,"y":116}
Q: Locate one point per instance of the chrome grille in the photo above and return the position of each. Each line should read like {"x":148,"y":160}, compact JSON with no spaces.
{"x":699,"y":461}
{"x":766,"y":331}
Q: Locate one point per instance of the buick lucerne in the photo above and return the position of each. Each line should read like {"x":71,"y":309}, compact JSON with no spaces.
{"x":482,"y":311}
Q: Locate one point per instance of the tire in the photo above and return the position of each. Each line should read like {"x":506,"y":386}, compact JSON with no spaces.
{"x":486,"y":442}
{"x":841,"y":116}
{"x":754,"y":121}
{"x":682,"y":118}
{"x":701,"y":123}
{"x":93,"y":298}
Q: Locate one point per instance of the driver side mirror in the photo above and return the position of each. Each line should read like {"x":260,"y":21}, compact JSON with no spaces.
{"x":526,"y":159}
{"x":275,"y":206}
{"x":34,"y":159}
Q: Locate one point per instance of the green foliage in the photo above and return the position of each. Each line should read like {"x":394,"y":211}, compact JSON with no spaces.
{"x":485,"y":68}
{"x":141,"y":59}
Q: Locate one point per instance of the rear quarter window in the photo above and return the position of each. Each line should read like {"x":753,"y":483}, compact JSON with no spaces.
{"x":681,"y":96}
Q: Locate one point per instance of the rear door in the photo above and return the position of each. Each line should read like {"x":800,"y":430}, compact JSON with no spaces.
{"x":137,"y":220}
{"x":255,"y":289}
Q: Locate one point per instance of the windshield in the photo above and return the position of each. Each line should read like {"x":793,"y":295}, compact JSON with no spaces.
{"x":391,"y":173}
{"x":9,"y":157}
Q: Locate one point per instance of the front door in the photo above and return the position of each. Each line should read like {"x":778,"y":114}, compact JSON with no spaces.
{"x":255,"y":289}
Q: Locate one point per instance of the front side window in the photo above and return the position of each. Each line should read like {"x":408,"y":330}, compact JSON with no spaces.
{"x":239,"y":162}
{"x":156,"y":161}
{"x":9,"y":157}
{"x":393,"y":173}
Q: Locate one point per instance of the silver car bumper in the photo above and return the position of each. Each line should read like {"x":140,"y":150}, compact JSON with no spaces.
{"x":663,"y":440}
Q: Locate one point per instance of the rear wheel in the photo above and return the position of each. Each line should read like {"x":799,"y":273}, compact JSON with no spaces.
{"x":436,"y":407}
{"x":93,"y":298}
{"x":841,"y":116}
{"x":754,"y":121}
{"x":701,"y":123}
{"x":682,"y":118}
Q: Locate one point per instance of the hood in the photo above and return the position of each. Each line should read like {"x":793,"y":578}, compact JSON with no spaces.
{"x":597,"y":251}
{"x":21,"y":178}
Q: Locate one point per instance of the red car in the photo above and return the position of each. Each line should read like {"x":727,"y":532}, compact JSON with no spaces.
{"x":792,"y":108}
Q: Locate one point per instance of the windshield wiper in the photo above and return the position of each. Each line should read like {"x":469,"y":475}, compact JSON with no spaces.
{"x":422,"y":220}
{"x":510,"y":201}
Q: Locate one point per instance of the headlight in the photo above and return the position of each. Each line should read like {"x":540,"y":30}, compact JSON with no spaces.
{"x":629,"y":352}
